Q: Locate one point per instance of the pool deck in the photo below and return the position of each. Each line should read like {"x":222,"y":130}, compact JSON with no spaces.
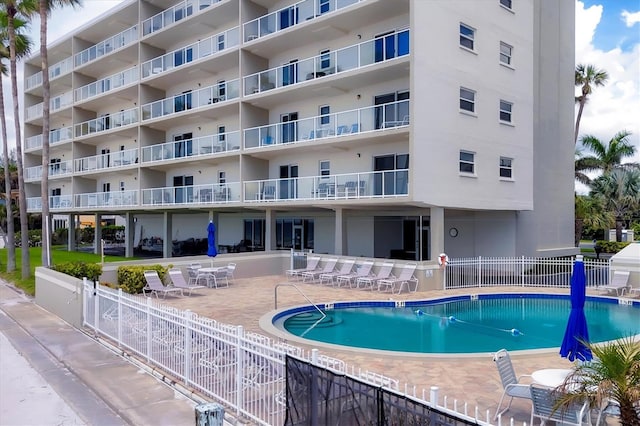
{"x":472,"y":378}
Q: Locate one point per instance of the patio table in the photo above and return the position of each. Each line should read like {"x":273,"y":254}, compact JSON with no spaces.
{"x":552,"y":377}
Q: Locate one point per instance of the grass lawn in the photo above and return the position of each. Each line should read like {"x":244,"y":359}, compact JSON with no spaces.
{"x":58,"y":255}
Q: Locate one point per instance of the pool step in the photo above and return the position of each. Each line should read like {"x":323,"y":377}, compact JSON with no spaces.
{"x":307,"y":319}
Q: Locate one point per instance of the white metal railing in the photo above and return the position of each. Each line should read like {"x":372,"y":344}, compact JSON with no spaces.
{"x":55,"y":136}
{"x":107,"y":122}
{"x":360,"y":55}
{"x":521,"y":271}
{"x":380,"y":184}
{"x":193,"y":52}
{"x":107,"y":46}
{"x":55,"y":169}
{"x":56,"y":103}
{"x":56,"y":70}
{"x":60,"y":201}
{"x":212,"y":193}
{"x":106,"y":84}
{"x":106,"y":161}
{"x":245,"y":371}
{"x":289,"y":16}
{"x":379,"y":117}
{"x":200,"y":146}
{"x":174,"y":14}
{"x":107,"y":199}
{"x":192,"y":100}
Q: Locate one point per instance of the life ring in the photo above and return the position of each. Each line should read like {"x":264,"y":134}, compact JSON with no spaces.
{"x":443,"y":259}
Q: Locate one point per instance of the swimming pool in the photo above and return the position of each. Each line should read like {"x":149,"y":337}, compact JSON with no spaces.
{"x":461,"y":324}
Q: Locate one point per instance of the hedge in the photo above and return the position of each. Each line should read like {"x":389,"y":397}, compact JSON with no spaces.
{"x":131,"y":278}
{"x":80,"y":269}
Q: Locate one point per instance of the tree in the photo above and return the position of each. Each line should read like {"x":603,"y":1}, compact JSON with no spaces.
{"x":590,"y":212}
{"x":582,"y":165}
{"x":44,"y":7}
{"x":608,"y":157}
{"x":586,"y":77}
{"x":619,"y":192}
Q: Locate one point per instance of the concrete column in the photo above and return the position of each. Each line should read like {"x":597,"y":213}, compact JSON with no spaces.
{"x":71,"y":238}
{"x":340,"y":238}
{"x":269,"y":229}
{"x":167,"y":235}
{"x":437,"y":232}
{"x":97,"y":234}
{"x":129,"y":234}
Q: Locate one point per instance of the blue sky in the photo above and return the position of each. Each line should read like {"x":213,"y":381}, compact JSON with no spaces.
{"x":612,"y":30}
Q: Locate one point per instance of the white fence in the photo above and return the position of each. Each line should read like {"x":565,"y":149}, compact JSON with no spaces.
{"x":245,"y":371}
{"x":521,"y":271}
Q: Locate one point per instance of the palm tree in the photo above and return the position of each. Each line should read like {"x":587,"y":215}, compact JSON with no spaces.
{"x":619,"y":192}
{"x":583,"y":165}
{"x":608,"y":157}
{"x":44,"y":7}
{"x":589,"y":211}
{"x":586,"y":76}
{"x":614,"y":375}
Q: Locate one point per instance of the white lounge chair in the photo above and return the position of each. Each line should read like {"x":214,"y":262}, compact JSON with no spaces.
{"x":312,"y":265}
{"x":405,"y":277}
{"x":619,"y":283}
{"x":345,"y":269}
{"x":371,"y":281}
{"x":155,"y":286}
{"x":179,"y":282}
{"x":363,"y":270}
{"x":544,"y":407}
{"x":510,"y":382}
{"x":328,"y":268}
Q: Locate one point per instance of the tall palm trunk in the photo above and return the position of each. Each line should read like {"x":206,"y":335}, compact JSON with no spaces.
{"x":11,"y":244}
{"x":24,"y":222}
{"x":44,"y":185}
{"x":581,"y":101}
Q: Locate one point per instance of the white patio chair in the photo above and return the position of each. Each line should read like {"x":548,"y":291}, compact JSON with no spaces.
{"x":510,"y":383}
{"x":363,"y":270}
{"x":371,"y":281}
{"x":155,"y":286}
{"x":328,"y":268}
{"x":405,"y":277}
{"x":544,"y":407}
{"x":231,"y":268}
{"x":179,"y":282}
{"x":619,"y":283}
{"x":312,"y":265}
{"x":345,"y":269}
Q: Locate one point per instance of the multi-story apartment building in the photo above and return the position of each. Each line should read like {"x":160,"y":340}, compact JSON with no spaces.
{"x":386,"y":128}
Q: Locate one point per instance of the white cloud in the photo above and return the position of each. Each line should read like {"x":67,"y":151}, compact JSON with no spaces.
{"x":630,"y":18}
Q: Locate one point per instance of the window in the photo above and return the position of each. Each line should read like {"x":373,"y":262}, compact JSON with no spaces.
{"x":324,"y":6}
{"x":221,"y":133}
{"x":222,"y":177}
{"x":506,"y":3}
{"x":325,"y":110}
{"x":325,"y":168}
{"x":505,"y":53}
{"x":466,"y":36}
{"x":505,"y":167}
{"x":121,"y":186}
{"x":505,"y":111}
{"x":467,"y":162}
{"x":467,"y":100}
{"x":325,"y":59}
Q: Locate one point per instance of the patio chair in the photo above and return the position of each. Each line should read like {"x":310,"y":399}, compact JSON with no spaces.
{"x":328,"y":268}
{"x":231,"y":268}
{"x":361,"y":271}
{"x":544,"y":407}
{"x":179,"y":282}
{"x":192,"y":271}
{"x":510,"y":382}
{"x":372,"y":280}
{"x":345,"y":269}
{"x":155,"y":286}
{"x":312,"y":264}
{"x":618,"y":283}
{"x":405,"y":277}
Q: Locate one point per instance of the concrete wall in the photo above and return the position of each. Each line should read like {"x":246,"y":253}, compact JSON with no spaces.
{"x":60,"y":294}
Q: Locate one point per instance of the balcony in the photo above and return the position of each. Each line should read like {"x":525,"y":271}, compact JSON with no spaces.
{"x":354,"y":57}
{"x":196,"y":147}
{"x":174,"y":14}
{"x":56,"y":202}
{"x":55,"y":136}
{"x":107,"y":122}
{"x":347,"y":123}
{"x":107,"y":199}
{"x":107,"y":46}
{"x":366,"y":185}
{"x":106,"y":161}
{"x":55,"y":104}
{"x":191,"y":100}
{"x":196,"y":194}
{"x":56,"y":70}
{"x":183,"y":56}
{"x":55,"y":170}
{"x":113,"y":82}
{"x":292,"y":15}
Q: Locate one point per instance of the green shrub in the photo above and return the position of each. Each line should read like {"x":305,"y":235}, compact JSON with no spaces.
{"x":131,"y":278}
{"x":80,"y":270}
{"x":60,"y":236}
{"x":611,"y":246}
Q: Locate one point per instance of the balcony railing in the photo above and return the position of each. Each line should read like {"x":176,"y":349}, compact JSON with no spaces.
{"x":292,"y":15}
{"x":55,"y":169}
{"x":193,"y":52}
{"x":57,"y":103}
{"x":346,"y":123}
{"x":56,"y":70}
{"x":60,"y":201}
{"x":191,"y":100}
{"x":55,"y":136}
{"x":106,"y":84}
{"x":107,"y":122}
{"x":196,"y":194}
{"x":378,"y":50}
{"x":174,"y":14}
{"x":204,"y":145}
{"x":107,"y":46}
{"x":381,"y":184}
{"x":106,"y":161}
{"x":107,"y":199}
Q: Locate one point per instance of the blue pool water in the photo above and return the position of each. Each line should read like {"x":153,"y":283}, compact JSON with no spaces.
{"x":460,"y":324}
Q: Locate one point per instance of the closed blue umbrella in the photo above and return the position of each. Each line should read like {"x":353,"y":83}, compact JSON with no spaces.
{"x":577,"y":334}
{"x":211,"y":248}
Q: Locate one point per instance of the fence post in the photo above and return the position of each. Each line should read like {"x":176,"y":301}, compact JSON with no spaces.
{"x":84,"y":301}
{"x":119,"y":317}
{"x":433,"y":396}
{"x":522,"y":272}
{"x":314,"y":356}
{"x":479,"y":271}
{"x":240,"y":370}
{"x":96,"y":308}
{"x":148,"y":328}
{"x":188,"y":318}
